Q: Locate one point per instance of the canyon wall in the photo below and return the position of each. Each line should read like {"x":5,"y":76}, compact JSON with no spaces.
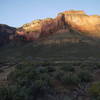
{"x":41,"y":28}
{"x":88,"y":25}
{"x":66,"y":21}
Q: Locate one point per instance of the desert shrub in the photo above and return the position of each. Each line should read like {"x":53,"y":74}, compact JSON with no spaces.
{"x":58,"y":75}
{"x":51,"y":69}
{"x":94,"y":89}
{"x":85,"y":76}
{"x":31,"y":81}
{"x":8,"y":92}
{"x":97,"y":66}
{"x":70,"y":79}
{"x":46,"y":69}
{"x":68,"y":68}
{"x":3,"y":93}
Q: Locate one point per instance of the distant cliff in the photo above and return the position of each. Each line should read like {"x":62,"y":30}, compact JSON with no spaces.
{"x":65,"y":21}
{"x":89,"y":25}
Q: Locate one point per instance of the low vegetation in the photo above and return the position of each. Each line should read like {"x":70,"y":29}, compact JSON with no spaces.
{"x":36,"y":81}
{"x":94,"y":90}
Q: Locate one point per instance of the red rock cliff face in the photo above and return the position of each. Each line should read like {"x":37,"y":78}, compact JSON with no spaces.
{"x":51,"y":26}
{"x":68,"y":20}
{"x":89,"y":25}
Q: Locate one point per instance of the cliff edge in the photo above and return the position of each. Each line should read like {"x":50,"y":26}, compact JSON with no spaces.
{"x":65,"y":21}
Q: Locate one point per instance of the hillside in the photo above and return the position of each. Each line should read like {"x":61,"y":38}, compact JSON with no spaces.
{"x":6,"y":34}
{"x":59,"y":66}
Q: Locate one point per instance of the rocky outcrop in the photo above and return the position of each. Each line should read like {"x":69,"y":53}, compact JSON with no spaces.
{"x":79,"y":21}
{"x":69,"y":20}
{"x":6,"y":34}
{"x":40,"y":28}
{"x":65,"y":21}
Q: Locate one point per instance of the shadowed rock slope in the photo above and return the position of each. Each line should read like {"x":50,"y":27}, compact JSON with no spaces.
{"x":6,"y":34}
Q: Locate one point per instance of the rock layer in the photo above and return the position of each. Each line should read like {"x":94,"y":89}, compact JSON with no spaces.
{"x":68,"y":20}
{"x":40,"y":28}
{"x":89,"y":25}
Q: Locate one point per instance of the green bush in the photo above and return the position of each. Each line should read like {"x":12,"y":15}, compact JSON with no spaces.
{"x":68,"y":68}
{"x":85,"y":76}
{"x":58,"y":75}
{"x":94,"y":89}
{"x":3,"y":93}
{"x":71,"y":79}
{"x":8,"y":93}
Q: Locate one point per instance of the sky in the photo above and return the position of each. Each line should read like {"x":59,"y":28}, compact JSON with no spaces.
{"x":18,"y":12}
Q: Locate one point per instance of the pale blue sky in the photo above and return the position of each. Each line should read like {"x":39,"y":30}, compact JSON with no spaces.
{"x":18,"y":12}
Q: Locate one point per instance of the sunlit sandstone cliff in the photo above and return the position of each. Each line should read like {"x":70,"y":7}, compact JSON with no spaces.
{"x":89,"y":25}
{"x":65,"y":21}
